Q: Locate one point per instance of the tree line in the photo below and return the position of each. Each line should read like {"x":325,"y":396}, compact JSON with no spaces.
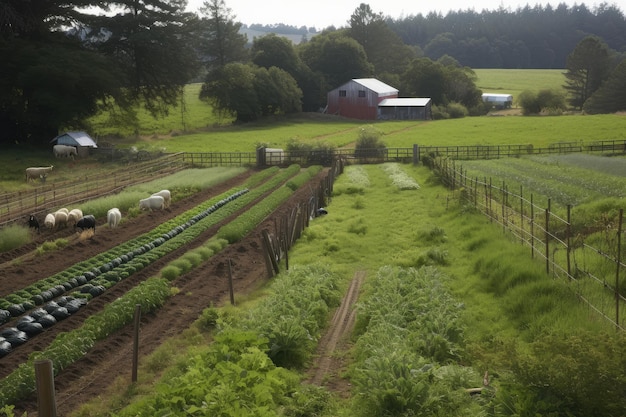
{"x":529,"y":37}
{"x":64,"y":63}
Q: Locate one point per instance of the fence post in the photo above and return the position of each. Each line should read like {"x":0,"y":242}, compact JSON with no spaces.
{"x":521,"y":212}
{"x":618,"y":262}
{"x":136,"y":322}
{"x":44,"y":378}
{"x":568,"y":231}
{"x":548,"y":238}
{"x":532,"y":227}
{"x":416,"y":154}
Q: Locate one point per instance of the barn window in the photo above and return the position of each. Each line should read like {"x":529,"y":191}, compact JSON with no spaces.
{"x":342,"y":93}
{"x":361,"y":93}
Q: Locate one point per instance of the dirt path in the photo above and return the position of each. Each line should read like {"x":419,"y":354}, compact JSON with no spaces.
{"x":330,"y":359}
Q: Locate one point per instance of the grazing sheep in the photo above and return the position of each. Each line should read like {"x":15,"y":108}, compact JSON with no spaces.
{"x":64,"y":151}
{"x":87,"y":222}
{"x":60,"y":218}
{"x":167,"y":196}
{"x":113,"y":217}
{"x":49,"y":221}
{"x":73,"y":216}
{"x":152,"y":203}
{"x":33,"y":223}
{"x":34,"y":173}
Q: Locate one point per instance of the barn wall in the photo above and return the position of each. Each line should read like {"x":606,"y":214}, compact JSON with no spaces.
{"x":356,"y":103}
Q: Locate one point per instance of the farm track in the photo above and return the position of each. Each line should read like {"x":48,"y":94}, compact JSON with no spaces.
{"x":199,"y":288}
{"x":329,"y":363}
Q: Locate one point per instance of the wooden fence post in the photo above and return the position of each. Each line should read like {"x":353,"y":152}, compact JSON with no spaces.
{"x":548,"y":238}
{"x":618,"y":263}
{"x":231,"y":290}
{"x":44,"y":379}
{"x":136,"y":323}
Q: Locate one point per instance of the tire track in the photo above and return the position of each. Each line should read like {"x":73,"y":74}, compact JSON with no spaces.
{"x":337,"y":334}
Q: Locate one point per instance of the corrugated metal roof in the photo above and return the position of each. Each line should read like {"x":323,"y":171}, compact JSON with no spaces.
{"x":81,"y":139}
{"x":376,"y":85}
{"x":404,"y":102}
{"x":498,"y":96}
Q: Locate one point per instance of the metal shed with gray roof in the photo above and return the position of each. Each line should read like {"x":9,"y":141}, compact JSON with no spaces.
{"x":81,"y":140}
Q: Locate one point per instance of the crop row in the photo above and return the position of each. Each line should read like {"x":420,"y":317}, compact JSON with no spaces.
{"x":95,"y":282}
{"x":20,"y":383}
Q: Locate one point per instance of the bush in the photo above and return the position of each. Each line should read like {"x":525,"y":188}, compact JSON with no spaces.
{"x":369,"y":143}
{"x":532,"y":103}
{"x":456,"y":110}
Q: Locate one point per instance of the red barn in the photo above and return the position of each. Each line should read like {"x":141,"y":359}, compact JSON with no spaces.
{"x":359,"y":98}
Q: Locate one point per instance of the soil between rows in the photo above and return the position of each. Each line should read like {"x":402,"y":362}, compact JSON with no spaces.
{"x":199,"y":288}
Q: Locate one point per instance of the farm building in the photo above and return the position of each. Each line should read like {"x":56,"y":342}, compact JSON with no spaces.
{"x":405,"y":109}
{"x":81,"y":140}
{"x":501,"y":101}
{"x":371,"y":99}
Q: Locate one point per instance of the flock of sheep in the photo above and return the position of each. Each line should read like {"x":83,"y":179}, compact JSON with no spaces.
{"x":63,"y":217}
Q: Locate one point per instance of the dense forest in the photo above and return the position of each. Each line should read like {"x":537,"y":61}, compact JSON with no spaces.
{"x":539,"y":37}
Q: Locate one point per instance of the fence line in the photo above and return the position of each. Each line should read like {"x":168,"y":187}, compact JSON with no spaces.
{"x":139,"y":167}
{"x":16,"y":206}
{"x":593,"y":273}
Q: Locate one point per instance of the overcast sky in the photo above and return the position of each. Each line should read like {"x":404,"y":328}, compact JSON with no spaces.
{"x":323,"y":13}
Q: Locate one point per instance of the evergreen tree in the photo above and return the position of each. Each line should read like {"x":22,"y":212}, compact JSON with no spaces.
{"x":220,"y":42}
{"x":587,"y":67}
{"x":611,"y":96}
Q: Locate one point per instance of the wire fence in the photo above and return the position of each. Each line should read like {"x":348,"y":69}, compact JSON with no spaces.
{"x":588,"y":258}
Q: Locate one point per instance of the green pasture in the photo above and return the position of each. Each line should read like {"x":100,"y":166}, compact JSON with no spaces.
{"x":190,"y":114}
{"x":514,"y":81}
{"x":487,"y":130}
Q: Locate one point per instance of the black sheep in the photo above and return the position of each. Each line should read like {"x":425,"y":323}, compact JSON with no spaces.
{"x":87,"y":222}
{"x":33,"y":223}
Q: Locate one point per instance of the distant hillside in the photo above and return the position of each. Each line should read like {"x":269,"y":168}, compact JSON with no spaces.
{"x":294,"y":37}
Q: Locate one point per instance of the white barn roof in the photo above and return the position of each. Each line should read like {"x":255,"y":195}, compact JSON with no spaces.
{"x":376,"y":86}
{"x":404,"y":102}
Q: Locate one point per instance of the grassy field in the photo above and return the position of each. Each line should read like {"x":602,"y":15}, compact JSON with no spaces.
{"x":514,"y":81}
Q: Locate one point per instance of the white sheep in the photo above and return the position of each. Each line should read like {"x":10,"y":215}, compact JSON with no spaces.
{"x":60,"y":218}
{"x":152,"y":203}
{"x":49,"y":221}
{"x":74,"y":216}
{"x":64,"y":151}
{"x":34,"y":173}
{"x":113,"y":217}
{"x":167,"y":196}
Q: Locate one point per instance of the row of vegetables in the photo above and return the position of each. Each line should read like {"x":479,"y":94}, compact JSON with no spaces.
{"x":89,"y":283}
{"x":106,"y":269}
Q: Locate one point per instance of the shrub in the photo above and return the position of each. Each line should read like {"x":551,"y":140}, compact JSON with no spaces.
{"x":369,"y":143}
{"x":456,"y":110}
{"x":170,"y":272}
{"x":532,"y":103}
